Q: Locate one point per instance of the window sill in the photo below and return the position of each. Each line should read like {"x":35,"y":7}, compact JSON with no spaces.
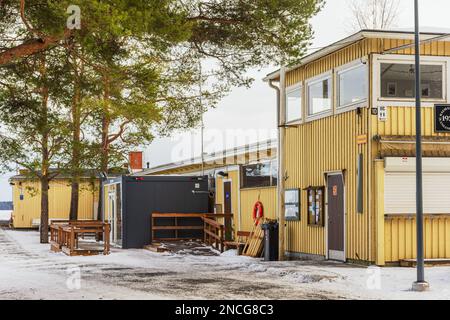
{"x":413,"y":100}
{"x":315,"y":226}
{"x":293,"y":123}
{"x":351,"y":107}
{"x":319,"y":116}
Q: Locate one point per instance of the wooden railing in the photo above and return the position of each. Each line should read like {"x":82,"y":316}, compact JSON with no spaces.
{"x":64,"y":236}
{"x":213,"y":232}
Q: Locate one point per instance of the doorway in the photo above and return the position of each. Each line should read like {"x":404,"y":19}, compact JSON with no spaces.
{"x":336,"y":217}
{"x":228,"y":209}
{"x":115,"y":214}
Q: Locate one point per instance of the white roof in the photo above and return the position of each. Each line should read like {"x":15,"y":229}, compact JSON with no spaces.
{"x":209,"y":158}
{"x":404,"y":34}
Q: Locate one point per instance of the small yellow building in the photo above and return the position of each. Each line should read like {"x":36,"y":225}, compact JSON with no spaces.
{"x":27,"y":199}
{"x":349,"y":148}
{"x":238,"y":178}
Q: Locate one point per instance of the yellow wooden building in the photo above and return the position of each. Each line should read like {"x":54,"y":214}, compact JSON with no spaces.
{"x":349,"y":129}
{"x":27,"y":199}
{"x":239,"y":178}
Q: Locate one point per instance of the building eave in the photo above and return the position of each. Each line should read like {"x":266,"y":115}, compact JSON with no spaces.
{"x":363,"y":34}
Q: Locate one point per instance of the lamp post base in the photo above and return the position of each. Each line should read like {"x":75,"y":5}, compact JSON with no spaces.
{"x":420,"y":286}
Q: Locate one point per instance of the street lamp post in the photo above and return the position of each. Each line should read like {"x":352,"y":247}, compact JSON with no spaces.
{"x":420,"y":284}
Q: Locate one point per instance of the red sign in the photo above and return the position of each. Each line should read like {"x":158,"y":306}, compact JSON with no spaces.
{"x":335,"y":191}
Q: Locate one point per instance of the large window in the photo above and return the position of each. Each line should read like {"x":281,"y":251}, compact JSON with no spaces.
{"x":294,"y":104}
{"x":319,"y":96}
{"x":259,"y":175}
{"x":352,"y":84}
{"x":398,"y":81}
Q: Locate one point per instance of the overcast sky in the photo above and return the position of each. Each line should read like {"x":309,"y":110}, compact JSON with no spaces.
{"x":248,"y":115}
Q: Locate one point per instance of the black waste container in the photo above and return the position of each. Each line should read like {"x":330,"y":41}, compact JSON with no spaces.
{"x":270,"y":241}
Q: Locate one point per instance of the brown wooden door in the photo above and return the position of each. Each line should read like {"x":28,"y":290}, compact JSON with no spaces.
{"x":227,"y":201}
{"x":336,"y":221}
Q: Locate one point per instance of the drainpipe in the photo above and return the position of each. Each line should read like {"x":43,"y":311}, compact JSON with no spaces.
{"x":281,"y":119}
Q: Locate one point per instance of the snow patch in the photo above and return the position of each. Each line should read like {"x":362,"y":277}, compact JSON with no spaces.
{"x":229,"y":253}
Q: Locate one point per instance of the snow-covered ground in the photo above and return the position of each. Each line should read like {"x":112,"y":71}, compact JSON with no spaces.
{"x":28,"y":270}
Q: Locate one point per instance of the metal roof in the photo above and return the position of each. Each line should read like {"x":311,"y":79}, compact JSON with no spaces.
{"x":363,"y":34}
{"x":212,"y":157}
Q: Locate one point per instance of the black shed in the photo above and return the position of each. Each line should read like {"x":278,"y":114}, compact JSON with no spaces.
{"x":129,"y":201}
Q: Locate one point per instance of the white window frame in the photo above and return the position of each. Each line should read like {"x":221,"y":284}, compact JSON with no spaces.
{"x":314,"y":80}
{"x":344,"y":69}
{"x":408,"y":59}
{"x":291,"y":89}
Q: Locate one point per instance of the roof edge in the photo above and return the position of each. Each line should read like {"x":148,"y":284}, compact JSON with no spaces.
{"x":362,"y":34}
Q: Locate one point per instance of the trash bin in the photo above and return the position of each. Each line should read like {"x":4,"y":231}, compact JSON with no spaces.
{"x":270,"y":241}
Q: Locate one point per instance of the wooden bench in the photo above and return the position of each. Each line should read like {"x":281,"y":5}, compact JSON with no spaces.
{"x":64,"y":236}
{"x":241,"y":240}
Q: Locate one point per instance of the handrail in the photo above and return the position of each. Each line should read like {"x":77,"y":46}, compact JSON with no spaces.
{"x":212,"y":222}
{"x":213,"y":230}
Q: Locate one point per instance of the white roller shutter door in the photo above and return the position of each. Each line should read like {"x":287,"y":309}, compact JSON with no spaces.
{"x":400,"y":192}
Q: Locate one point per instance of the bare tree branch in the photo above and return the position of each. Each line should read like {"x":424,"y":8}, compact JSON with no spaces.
{"x":373,"y":14}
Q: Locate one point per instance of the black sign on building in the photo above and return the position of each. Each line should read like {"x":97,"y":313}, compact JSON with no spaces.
{"x":442,"y":118}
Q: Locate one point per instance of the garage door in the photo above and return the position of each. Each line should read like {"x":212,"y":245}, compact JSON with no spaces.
{"x":400,"y":186}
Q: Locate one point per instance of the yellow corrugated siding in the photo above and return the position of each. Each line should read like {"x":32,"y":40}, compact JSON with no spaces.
{"x":59,"y":202}
{"x":268,"y":197}
{"x":401,"y":121}
{"x":329,"y":144}
{"x":400,"y":241}
{"x":327,"y":63}
{"x":234,"y":177}
{"x":400,"y":238}
{"x":321,"y":146}
{"x":325,"y":145}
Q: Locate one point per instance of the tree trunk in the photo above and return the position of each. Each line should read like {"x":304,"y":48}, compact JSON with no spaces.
{"x":45,"y":158}
{"x":76,"y":147}
{"x":74,"y":197}
{"x":104,"y":150}
{"x":44,"y":209}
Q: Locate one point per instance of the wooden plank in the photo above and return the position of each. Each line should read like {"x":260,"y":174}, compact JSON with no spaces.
{"x":156,"y":248}
{"x":212,"y":234}
{"x":177,"y":228}
{"x":175,"y":239}
{"x":178,"y":215}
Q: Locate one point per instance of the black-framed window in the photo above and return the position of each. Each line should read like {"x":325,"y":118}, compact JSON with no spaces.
{"x":398,"y":80}
{"x":292,"y":204}
{"x":316,"y":201}
{"x":259,"y":175}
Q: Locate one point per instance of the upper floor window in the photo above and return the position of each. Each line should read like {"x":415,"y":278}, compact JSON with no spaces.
{"x":319,"y":96}
{"x":398,"y":80}
{"x":259,"y":175}
{"x":352,"y":84}
{"x":294,"y":104}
